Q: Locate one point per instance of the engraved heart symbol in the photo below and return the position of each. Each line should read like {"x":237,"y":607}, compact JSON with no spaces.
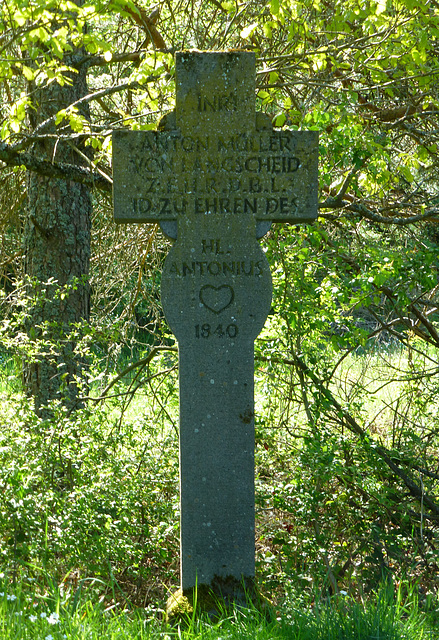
{"x":216,"y":299}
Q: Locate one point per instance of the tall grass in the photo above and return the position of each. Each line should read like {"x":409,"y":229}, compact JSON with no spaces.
{"x":386,"y":616}
{"x":9,"y":380}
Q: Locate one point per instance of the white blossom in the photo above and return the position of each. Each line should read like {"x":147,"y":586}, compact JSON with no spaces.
{"x":53,"y":618}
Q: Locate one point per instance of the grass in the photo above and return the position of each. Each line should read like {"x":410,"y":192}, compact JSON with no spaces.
{"x":9,"y":381}
{"x":386,"y":616}
{"x":120,"y":504}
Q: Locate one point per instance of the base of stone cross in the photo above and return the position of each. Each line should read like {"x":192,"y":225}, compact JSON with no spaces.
{"x":215,"y":601}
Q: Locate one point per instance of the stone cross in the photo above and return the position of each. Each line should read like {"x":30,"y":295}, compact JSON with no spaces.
{"x":215,"y":176}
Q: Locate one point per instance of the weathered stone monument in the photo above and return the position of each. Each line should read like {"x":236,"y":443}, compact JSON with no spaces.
{"x":215,"y":176}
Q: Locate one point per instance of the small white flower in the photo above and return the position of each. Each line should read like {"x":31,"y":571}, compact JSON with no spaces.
{"x":49,"y":637}
{"x":2,"y":593}
{"x":343,"y":593}
{"x":32,"y":618}
{"x":53,"y":618}
{"x":43,"y":614}
{"x":11,"y":597}
{"x":18,"y":613}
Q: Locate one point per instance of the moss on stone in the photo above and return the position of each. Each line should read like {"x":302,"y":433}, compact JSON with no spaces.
{"x":215,"y":600}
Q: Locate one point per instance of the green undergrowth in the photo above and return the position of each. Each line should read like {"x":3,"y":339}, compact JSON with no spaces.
{"x":91,"y":497}
{"x":386,"y":616}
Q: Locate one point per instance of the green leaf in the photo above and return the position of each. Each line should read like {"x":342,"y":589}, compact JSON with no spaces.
{"x":274,"y":7}
{"x":28,"y":73}
{"x":21,"y":110}
{"x":19,"y":18}
{"x":76,"y":122}
{"x":265,"y":96}
{"x":60,"y":116}
{"x":268,"y":30}
{"x":279,"y":119}
{"x":4,"y":131}
{"x":407,"y":173}
{"x":57,"y":47}
{"x":39,"y":34}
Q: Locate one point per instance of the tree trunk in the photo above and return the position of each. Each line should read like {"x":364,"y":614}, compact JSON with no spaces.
{"x":57,"y":258}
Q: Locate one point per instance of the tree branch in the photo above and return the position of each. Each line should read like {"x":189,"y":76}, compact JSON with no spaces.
{"x":71,"y":172}
{"x":134,"y":365}
{"x":85,"y":100}
{"x":147,"y":22}
{"x":415,"y":489}
{"x":363,"y":211}
{"x":100,"y":61}
{"x":12,"y":155}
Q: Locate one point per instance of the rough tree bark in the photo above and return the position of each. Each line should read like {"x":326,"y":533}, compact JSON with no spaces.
{"x":57,"y":256}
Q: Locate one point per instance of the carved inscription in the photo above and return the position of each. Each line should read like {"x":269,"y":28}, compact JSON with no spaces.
{"x":218,"y":103}
{"x":218,"y":275}
{"x":210,"y":331}
{"x":166,"y":175}
{"x":216,"y":268}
